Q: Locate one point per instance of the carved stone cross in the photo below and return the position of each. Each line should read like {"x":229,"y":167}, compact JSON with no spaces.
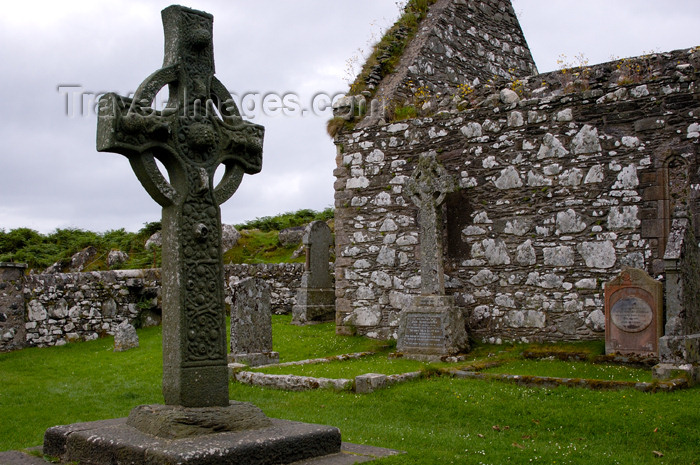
{"x":199,"y":129}
{"x":427,"y":187}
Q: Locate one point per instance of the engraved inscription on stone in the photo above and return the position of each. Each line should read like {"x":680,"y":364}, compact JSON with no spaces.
{"x":424,"y":331}
{"x":631,"y":314}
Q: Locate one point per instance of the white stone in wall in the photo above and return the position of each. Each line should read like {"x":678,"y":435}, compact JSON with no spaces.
{"x":404,"y":220}
{"x":525,"y":253}
{"x":627,"y":178}
{"x":351,"y":251}
{"x":36,"y":311}
{"x":586,"y":141}
{"x":694,"y":131}
{"x":517,"y":226}
{"x":551,"y":148}
{"x":515,"y":119}
{"x":570,"y":222}
{"x":489,"y":162}
{"x":471,"y":130}
{"x":492,"y":126}
{"x":413,"y":282}
{"x":472,"y":230}
{"x":509,"y":96}
{"x":366,"y":316}
{"x":496,"y":252}
{"x":551,"y":281}
{"x":359,"y":201}
{"x":483,"y":277}
{"x":624,"y":217}
{"x":352,"y":159}
{"x":398,"y":165}
{"x":640,"y":91}
{"x":376,"y":156}
{"x":598,"y":254}
{"x":364,"y":293}
{"x":388,"y":225}
{"x":595,"y":174}
{"x":633,"y":260}
{"x":403,"y":258}
{"x":505,"y":300}
{"x":382,"y":279}
{"x":362,"y":264}
{"x":509,"y":179}
{"x":631,"y":142}
{"x":537,"y":180}
{"x":596,"y":320}
{"x":565,"y":115}
{"x":382,"y":199}
{"x":571,"y":177}
{"x":552,"y":170}
{"x":387,"y":256}
{"x":399,"y":180}
{"x":400,"y":300}
{"x":406,"y":239}
{"x":398,"y":127}
{"x":357,"y":183}
{"x":586,"y":283}
{"x":558,"y":256}
{"x":481,"y":218}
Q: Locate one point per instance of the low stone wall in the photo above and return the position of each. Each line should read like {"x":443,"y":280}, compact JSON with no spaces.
{"x":56,"y":308}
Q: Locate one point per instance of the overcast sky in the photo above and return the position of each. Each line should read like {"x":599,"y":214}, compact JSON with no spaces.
{"x":51,"y":51}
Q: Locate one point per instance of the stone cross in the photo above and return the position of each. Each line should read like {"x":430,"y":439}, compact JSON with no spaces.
{"x":428,"y":186}
{"x":199,"y":129}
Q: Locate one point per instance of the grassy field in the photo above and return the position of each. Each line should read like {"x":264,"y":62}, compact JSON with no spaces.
{"x":436,"y":420}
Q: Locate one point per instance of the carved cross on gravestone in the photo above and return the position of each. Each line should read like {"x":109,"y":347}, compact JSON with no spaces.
{"x":427,"y":187}
{"x":191,"y":140}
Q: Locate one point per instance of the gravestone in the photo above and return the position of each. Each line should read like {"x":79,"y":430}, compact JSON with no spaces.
{"x":679,"y":347}
{"x":125,"y":337}
{"x":316,"y":294}
{"x":251,"y":324}
{"x":432,"y":326}
{"x":198,"y":424}
{"x":633,"y":314}
{"x":12,"y":312}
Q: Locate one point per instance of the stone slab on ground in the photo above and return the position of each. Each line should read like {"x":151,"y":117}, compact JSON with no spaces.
{"x":113,"y":441}
{"x":15,"y":457}
{"x":349,"y":454}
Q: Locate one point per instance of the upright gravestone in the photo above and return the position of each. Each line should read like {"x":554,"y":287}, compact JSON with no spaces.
{"x":316,"y":294}
{"x":251,"y":323}
{"x":633,"y":314}
{"x":432,"y":326}
{"x":191,"y":140}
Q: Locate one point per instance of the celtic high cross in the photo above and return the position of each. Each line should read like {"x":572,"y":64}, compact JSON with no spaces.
{"x":199,"y":129}
{"x":428,"y":187}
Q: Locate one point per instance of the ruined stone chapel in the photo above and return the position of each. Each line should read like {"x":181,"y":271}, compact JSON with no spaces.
{"x":564,"y":179}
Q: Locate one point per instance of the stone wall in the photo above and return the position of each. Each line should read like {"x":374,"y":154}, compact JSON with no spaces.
{"x":437,"y":62}
{"x":55,"y":308}
{"x":564,"y":179}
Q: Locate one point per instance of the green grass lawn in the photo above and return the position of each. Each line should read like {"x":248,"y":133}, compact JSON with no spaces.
{"x":437,"y":420}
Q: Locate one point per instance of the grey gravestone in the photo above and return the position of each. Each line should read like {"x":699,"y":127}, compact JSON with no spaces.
{"x":633,"y":314}
{"x":432,"y":326}
{"x":679,"y":347}
{"x":125,"y":337}
{"x":251,"y":324}
{"x":316,"y":295}
{"x":191,"y":141}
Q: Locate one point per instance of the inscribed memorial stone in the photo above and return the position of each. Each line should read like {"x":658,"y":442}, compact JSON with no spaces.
{"x":633,"y":314}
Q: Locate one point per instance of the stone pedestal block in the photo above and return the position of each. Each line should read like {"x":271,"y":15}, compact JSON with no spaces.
{"x":431,"y":328}
{"x":314,"y":305}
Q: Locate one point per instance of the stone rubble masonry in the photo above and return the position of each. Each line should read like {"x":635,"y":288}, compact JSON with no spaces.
{"x":438,"y":61}
{"x":40,"y":310}
{"x":560,"y":189}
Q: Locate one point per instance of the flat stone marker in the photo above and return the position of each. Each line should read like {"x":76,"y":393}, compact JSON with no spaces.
{"x":633,"y":314}
{"x":316,"y":294}
{"x":251,"y":324}
{"x":432,"y":326}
